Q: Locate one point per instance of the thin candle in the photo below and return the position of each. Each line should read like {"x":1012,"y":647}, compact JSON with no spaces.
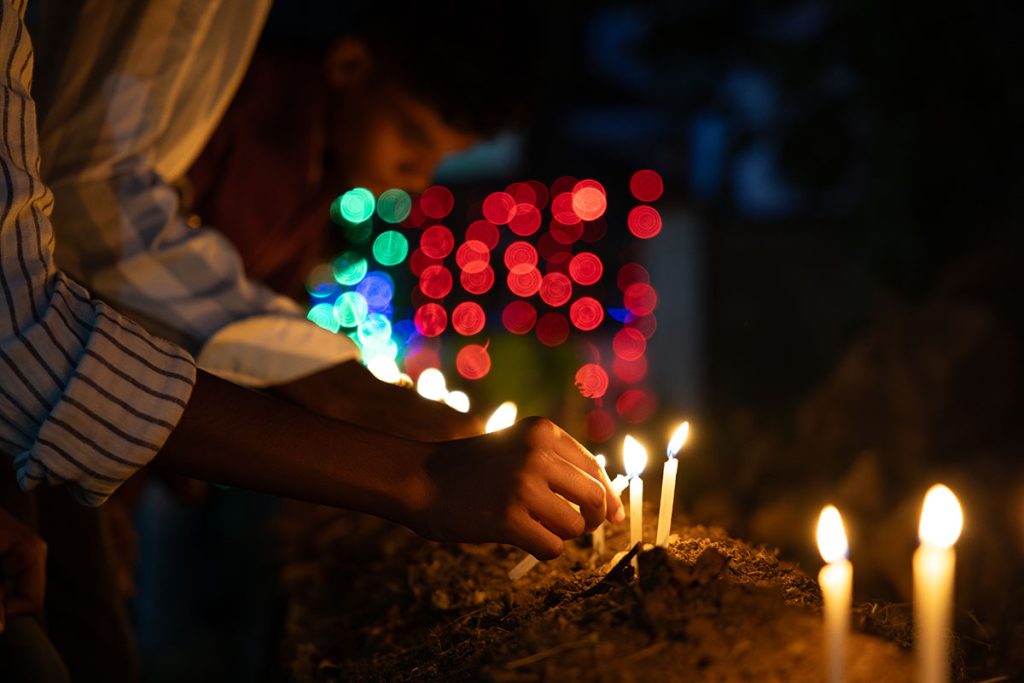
{"x":836,"y":581}
{"x":502,"y":418}
{"x":934,"y":568}
{"x":668,"y":483}
{"x":599,"y":535}
{"x":634,"y":455}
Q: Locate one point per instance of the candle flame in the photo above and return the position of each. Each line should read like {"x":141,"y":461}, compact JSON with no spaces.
{"x":503,"y":417}
{"x":385,"y":369}
{"x":431,"y":385}
{"x":634,"y":456}
{"x":601,"y":460}
{"x":457,"y":400}
{"x":941,"y":518}
{"x":832,"y":542}
{"x":675,"y":444}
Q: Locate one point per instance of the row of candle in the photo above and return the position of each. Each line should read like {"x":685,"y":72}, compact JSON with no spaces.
{"x":934,"y":564}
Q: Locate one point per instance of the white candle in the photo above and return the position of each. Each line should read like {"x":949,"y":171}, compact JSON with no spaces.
{"x":836,"y":580}
{"x":599,"y":538}
{"x":934,"y":565}
{"x":502,"y":418}
{"x":668,"y":483}
{"x":634,"y":456}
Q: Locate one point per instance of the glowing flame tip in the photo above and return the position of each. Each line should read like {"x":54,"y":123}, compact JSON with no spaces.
{"x":634,"y":456}
{"x":503,"y":417}
{"x":942,"y":520}
{"x":832,"y":542}
{"x":675,"y":444}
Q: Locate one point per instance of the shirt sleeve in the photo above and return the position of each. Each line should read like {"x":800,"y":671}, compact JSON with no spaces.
{"x":125,"y":119}
{"x":86,"y":396}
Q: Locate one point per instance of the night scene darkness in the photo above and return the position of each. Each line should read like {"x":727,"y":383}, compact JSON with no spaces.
{"x":512,"y":341}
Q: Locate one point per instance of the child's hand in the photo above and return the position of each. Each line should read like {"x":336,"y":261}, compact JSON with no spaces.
{"x":515,"y":486}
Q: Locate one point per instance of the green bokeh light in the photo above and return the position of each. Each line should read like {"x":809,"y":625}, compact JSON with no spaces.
{"x":374,"y":330}
{"x":351,"y":309}
{"x":323,"y":315}
{"x":390,"y":248}
{"x":381,"y":347}
{"x":355,"y":206}
{"x":394,"y":205}
{"x":350,"y":268}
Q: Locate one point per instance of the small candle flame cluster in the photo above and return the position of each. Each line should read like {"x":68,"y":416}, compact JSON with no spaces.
{"x":634,"y":457}
{"x":934,"y":562}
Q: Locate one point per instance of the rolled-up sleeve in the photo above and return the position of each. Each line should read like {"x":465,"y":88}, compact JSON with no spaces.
{"x":126,"y":119}
{"x":87,"y":397}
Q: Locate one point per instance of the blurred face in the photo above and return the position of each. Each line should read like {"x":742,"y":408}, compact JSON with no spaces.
{"x":383,"y":137}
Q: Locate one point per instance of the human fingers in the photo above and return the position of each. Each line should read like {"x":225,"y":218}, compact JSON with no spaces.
{"x":532,"y":536}
{"x":574,"y":452}
{"x":576,"y":486}
{"x":555,"y":513}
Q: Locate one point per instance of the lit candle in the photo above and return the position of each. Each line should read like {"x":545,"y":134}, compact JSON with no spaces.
{"x":634,"y":456}
{"x":431,"y":385}
{"x":503,"y":417}
{"x":457,"y":400}
{"x":668,"y":483}
{"x":934,"y":564}
{"x":836,"y":580}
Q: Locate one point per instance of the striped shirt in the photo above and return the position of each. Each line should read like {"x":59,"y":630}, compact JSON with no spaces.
{"x":129,"y":99}
{"x":86,"y":396}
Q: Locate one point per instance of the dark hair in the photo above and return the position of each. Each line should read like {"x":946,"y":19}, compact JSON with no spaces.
{"x":476,"y":63}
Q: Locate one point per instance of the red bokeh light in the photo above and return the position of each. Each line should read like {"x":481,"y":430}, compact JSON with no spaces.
{"x":473,"y":256}
{"x":566,"y":233}
{"x":477,"y":283}
{"x":559,"y":262}
{"x":632,"y":273}
{"x":437,"y":241}
{"x":499,"y":207}
{"x":646,"y":185}
{"x":588,"y":200}
{"x":425,"y":358}
{"x":594,"y":231}
{"x":644,"y":222}
{"x":629,"y":344}
{"x":586,"y":268}
{"x":436,"y":281}
{"x":592,"y":380}
{"x":564,"y":184}
{"x":640,"y":299}
{"x":468,"y":318}
{"x":635,"y":406}
{"x":418,"y":261}
{"x":519,"y":317}
{"x":416,"y":217}
{"x":644,"y":324}
{"x":600,"y":425}
{"x":555,"y":289}
{"x":562,"y":209}
{"x":473,"y":361}
{"x":524,"y":280}
{"x":540,"y":193}
{"x":523,"y":193}
{"x":437,"y":201}
{"x":430,"y":319}
{"x":526,"y":220}
{"x":519,"y":254}
{"x":548,"y":247}
{"x":552,"y":329}
{"x":630,"y":371}
{"x":586,"y":313}
{"x":484,"y":231}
